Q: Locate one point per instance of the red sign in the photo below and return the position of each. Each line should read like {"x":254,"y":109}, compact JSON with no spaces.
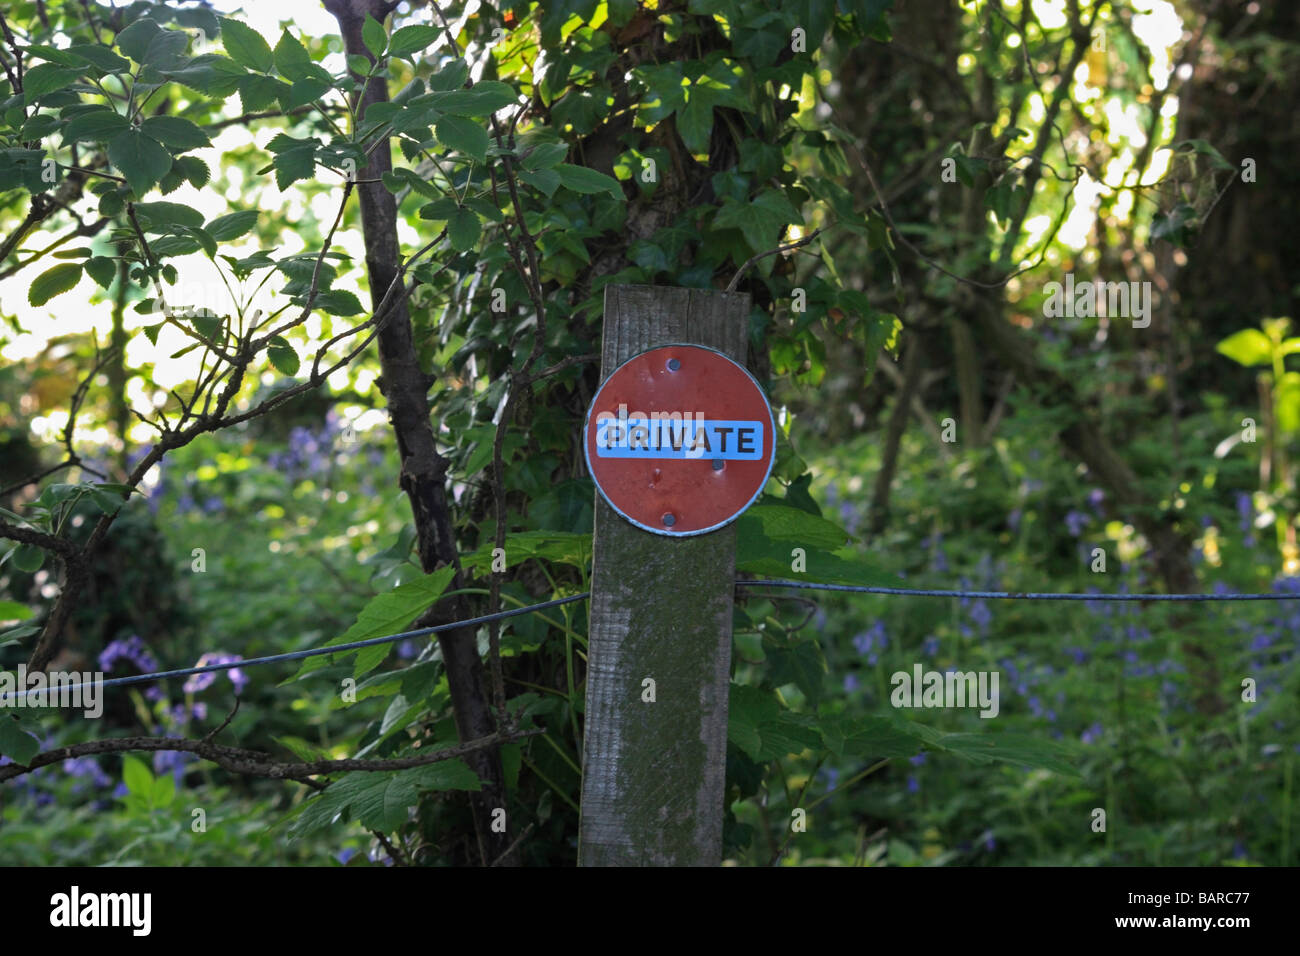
{"x":680,"y":440}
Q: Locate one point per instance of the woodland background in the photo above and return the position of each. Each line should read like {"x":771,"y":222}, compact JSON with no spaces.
{"x":321,"y":299}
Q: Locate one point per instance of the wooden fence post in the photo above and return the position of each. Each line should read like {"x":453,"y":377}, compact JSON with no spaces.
{"x":653,"y":772}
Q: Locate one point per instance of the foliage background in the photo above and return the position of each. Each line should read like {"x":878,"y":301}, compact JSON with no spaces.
{"x":1118,"y":159}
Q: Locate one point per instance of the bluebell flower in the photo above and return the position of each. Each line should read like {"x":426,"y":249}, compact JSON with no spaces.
{"x":930,"y":646}
{"x":850,"y":683}
{"x":345,"y":854}
{"x":1092,"y":734}
{"x":1075,"y":522}
{"x":912,"y":785}
{"x":200,"y":682}
{"x":917,"y":761}
{"x":132,"y":649}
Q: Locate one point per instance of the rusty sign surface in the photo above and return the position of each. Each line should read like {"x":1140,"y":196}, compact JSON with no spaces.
{"x":680,"y":440}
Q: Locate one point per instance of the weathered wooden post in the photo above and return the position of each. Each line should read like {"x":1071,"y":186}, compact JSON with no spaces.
{"x":662,"y":582}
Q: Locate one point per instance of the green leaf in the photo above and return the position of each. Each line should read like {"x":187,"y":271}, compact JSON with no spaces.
{"x":46,"y":78}
{"x":440,"y":209}
{"x":293,"y":165}
{"x":545,"y":156}
{"x":233,"y":225}
{"x":783,"y":523}
{"x":759,"y":220}
{"x":338,"y":302}
{"x":163,"y":216}
{"x":102,"y":269}
{"x":305,"y":91}
{"x":178,"y":133}
{"x":1018,"y":749}
{"x":141,"y":159}
{"x":16,"y":743}
{"x":695,"y":122}
{"x":802,"y":665}
{"x":97,"y":125}
{"x":135,"y":39}
{"x":1288,"y":402}
{"x":194,"y":170}
{"x":544,"y":180}
{"x":136,"y":776}
{"x":53,"y":282}
{"x":561,"y":547}
{"x":763,"y":729}
{"x":409,"y":39}
{"x":100,"y":56}
{"x":380,"y":801}
{"x":463,"y":229}
{"x":258,"y":92}
{"x":291,"y":58}
{"x":387,"y":613}
{"x":246,"y":46}
{"x":282,"y":356}
{"x":13,"y":611}
{"x":28,"y":558}
{"x":374,"y":36}
{"x":465,"y":135}
{"x":587,"y":181}
{"x":1247,"y":347}
{"x":482,"y":100}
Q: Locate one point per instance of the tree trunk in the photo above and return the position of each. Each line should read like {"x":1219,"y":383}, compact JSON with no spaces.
{"x":405,"y":388}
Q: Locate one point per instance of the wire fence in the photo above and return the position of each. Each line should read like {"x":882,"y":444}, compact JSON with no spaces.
{"x":748,"y":583}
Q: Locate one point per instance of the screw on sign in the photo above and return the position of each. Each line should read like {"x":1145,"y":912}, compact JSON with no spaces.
{"x":680,"y":440}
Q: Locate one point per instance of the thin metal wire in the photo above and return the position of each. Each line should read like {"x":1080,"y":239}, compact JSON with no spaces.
{"x":315,"y":651}
{"x":807,"y":585}
{"x":1017,"y":595}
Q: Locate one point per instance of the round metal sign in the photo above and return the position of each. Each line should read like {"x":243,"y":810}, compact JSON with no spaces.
{"x":680,"y":440}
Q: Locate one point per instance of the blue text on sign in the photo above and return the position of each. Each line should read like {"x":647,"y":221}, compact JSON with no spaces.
{"x":673,"y":435}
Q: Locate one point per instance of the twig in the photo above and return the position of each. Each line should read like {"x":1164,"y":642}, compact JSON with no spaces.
{"x":735,"y":280}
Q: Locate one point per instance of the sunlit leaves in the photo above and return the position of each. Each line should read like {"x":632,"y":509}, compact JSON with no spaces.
{"x":282,"y":355}
{"x":412,"y":39}
{"x":462,"y":134}
{"x":140,"y":159}
{"x":246,"y":46}
{"x":96,"y":125}
{"x":54,"y":282}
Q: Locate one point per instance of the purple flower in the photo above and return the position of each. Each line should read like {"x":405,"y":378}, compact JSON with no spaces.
{"x":990,"y":844}
{"x":345,"y":854}
{"x":930,"y":646}
{"x":1092,"y":734}
{"x":850,"y":683}
{"x":912,"y":785}
{"x":133,"y":649}
{"x":981,"y":615}
{"x":1095,"y":498}
{"x":200,"y":682}
{"x":917,"y":761}
{"x":1075,"y":522}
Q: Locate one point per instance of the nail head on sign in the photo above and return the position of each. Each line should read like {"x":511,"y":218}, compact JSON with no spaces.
{"x":670,"y":519}
{"x":674,"y":364}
